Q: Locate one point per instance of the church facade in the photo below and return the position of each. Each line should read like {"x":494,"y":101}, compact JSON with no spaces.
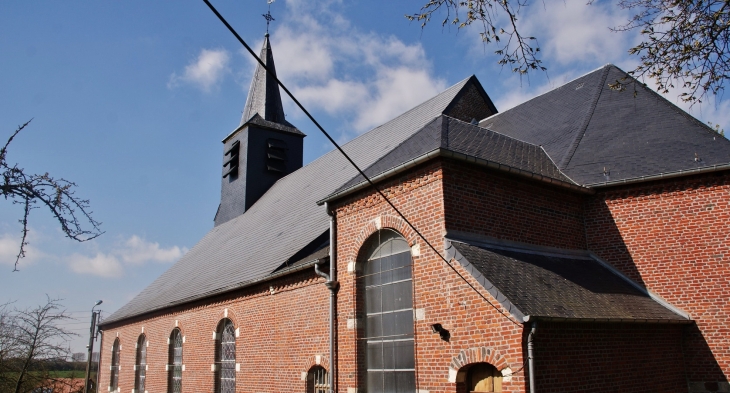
{"x":578,"y":242}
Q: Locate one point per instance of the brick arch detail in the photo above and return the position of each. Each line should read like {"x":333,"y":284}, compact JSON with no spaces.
{"x":311,"y":361}
{"x":222,"y":316}
{"x":482,"y":354}
{"x":386,"y":222}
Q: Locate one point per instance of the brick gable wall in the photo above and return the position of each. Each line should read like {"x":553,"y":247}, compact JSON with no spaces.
{"x":673,"y":236}
{"x":478,"y":331}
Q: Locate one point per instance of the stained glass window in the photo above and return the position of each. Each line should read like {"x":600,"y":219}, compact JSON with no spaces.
{"x":141,"y":364}
{"x":390,"y":358}
{"x":114,"y":378}
{"x":174,"y":371}
{"x":226,"y":358}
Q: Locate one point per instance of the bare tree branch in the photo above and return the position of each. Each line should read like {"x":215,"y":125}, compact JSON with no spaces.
{"x":686,"y":43}
{"x":57,"y":195}
{"x":517,"y":51}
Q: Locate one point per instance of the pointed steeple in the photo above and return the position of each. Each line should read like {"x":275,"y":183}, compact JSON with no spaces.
{"x":263,"y":95}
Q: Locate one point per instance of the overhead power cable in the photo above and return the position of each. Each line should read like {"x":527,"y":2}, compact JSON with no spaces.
{"x":326,"y":134}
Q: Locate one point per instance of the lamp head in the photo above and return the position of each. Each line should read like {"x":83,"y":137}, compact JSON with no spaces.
{"x":98,"y":302}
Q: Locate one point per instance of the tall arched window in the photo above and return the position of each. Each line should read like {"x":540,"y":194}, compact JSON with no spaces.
{"x":225,"y":357}
{"x":114,"y":374}
{"x":174,"y":361}
{"x":483,"y":377}
{"x":386,"y":277}
{"x":140,"y":365}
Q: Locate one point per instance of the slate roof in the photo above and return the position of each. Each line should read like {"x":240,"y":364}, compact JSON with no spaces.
{"x":557,"y":285}
{"x":448,"y":134}
{"x":264,"y":97}
{"x":282,"y":222}
{"x":586,"y":127}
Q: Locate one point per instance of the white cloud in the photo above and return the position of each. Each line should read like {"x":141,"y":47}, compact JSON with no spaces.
{"x":364,"y":78}
{"x":137,"y":250}
{"x":132,"y":251}
{"x":205,"y":72}
{"x":103,"y":265}
{"x":10,"y":246}
{"x":573,"y":31}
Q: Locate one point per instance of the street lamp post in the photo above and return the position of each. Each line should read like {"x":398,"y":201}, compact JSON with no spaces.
{"x":94,"y":315}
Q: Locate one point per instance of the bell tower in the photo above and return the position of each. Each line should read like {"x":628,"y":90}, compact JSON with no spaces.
{"x":262,"y":149}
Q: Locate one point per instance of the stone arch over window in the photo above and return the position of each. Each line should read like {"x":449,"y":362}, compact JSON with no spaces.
{"x":469,"y":364}
{"x":225,"y":357}
{"x":174,"y":362}
{"x":387,"y":222}
{"x":114,"y":367}
{"x":317,"y":380}
{"x":385,"y":290}
{"x":140,"y":364}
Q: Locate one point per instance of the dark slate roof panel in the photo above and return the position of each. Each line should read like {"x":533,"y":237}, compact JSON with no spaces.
{"x":645,"y":135}
{"x":457,"y":136}
{"x":283,"y":221}
{"x":286,"y":126}
{"x":586,"y":127}
{"x":264,"y":97}
{"x":561,"y":286}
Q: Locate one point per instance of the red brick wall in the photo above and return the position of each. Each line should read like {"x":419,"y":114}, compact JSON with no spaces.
{"x":444,"y":297}
{"x":484,"y":202}
{"x":280,"y":335}
{"x":571,"y":357}
{"x":673,"y":236}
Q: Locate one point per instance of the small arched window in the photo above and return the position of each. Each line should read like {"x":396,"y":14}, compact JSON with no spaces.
{"x":174,"y":368}
{"x":140,"y":365}
{"x":483,"y":377}
{"x":317,"y":381}
{"x":386,"y":278}
{"x":114,"y":374}
{"x":225,"y":358}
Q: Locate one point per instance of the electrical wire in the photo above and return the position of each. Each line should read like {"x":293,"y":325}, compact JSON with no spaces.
{"x":326,"y":134}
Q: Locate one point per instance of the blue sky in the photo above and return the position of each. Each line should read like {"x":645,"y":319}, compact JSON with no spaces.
{"x":131,"y":99}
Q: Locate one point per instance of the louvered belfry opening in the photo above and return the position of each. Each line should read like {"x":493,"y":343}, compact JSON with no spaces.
{"x":264,"y":148}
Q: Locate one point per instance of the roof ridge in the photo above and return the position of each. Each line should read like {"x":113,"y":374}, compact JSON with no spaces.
{"x":496,"y":132}
{"x":586,"y":121}
{"x":607,"y":65}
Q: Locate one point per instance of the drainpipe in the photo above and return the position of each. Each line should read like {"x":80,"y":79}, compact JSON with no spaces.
{"x":332,"y":285}
{"x":531,"y":356}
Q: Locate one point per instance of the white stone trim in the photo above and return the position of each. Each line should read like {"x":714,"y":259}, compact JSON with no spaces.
{"x":415,"y":252}
{"x":419,"y":314}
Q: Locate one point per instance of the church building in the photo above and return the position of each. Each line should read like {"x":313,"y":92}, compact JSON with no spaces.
{"x":578,"y":242}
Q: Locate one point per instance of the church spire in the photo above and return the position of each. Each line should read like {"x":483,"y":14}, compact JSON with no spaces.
{"x":263,"y":95}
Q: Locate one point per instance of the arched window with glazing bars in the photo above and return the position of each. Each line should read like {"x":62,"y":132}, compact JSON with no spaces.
{"x":174,"y":368}
{"x":140,"y":365}
{"x":114,"y":374}
{"x":317,"y":380}
{"x":386,"y":283}
{"x":225,"y":359}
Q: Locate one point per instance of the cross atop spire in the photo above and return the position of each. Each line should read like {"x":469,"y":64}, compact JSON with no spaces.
{"x":268,"y":16}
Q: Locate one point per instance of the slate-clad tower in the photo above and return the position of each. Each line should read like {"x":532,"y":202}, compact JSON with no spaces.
{"x":264,"y":147}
